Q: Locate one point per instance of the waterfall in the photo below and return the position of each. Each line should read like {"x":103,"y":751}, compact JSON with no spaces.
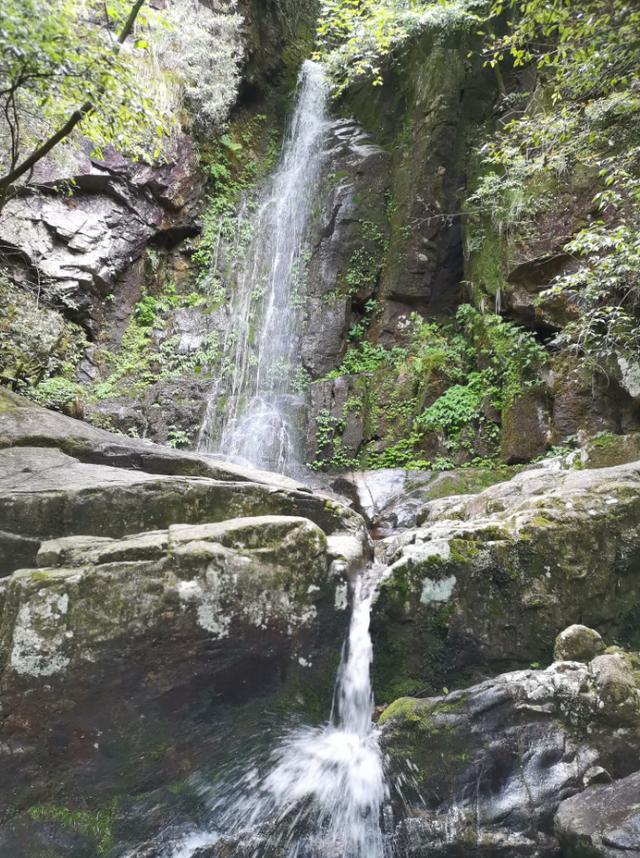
{"x":319,"y":794}
{"x":262,"y":344}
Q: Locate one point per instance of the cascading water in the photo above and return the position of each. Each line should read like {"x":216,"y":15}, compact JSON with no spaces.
{"x":320,"y":792}
{"x":262,"y":346}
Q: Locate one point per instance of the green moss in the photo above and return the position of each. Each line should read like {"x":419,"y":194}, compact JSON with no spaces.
{"x":463,"y":550}
{"x":95,"y":825}
{"x":411,"y":710}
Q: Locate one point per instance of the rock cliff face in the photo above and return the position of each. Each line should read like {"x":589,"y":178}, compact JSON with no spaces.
{"x":81,"y":245}
{"x":98,"y":258}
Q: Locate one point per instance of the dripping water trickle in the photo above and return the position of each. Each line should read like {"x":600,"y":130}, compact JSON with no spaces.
{"x":251,"y":411}
{"x":321,"y":791}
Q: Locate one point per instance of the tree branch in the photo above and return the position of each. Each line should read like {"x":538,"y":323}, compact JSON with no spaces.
{"x":131,"y":20}
{"x":76,"y":117}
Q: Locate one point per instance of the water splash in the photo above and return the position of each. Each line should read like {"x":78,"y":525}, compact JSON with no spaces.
{"x":321,"y":791}
{"x":263,"y":343}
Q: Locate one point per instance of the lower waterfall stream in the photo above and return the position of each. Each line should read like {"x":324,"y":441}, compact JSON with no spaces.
{"x":320,"y":792}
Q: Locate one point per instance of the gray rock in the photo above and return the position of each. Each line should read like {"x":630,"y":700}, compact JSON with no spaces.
{"x":489,"y":765}
{"x":23,"y":424}
{"x":60,"y":477}
{"x":353,"y":194}
{"x":391,"y":499}
{"x":524,"y":558}
{"x":164,"y":604}
{"x":603,"y":821}
{"x":80,"y":245}
{"x":578,"y":643}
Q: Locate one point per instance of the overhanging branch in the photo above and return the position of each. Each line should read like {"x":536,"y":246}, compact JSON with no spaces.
{"x":76,"y":117}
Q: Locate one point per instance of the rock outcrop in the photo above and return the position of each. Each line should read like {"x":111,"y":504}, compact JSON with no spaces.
{"x":79,"y":246}
{"x":157,"y":595}
{"x":489,"y":580}
{"x":484,"y":770}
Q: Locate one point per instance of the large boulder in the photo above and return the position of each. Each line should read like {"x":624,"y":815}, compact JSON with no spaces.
{"x":489,"y":580}
{"x":156,"y":607}
{"x":166,"y":623}
{"x":482,"y":771}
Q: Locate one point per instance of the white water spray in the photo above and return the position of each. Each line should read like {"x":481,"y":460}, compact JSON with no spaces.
{"x":321,"y":792}
{"x":262,"y":346}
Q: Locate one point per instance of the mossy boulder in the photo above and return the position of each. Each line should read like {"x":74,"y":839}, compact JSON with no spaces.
{"x":131,"y":654}
{"x":608,"y":449}
{"x":489,"y":580}
{"x":526,"y":429}
{"x":578,"y":643}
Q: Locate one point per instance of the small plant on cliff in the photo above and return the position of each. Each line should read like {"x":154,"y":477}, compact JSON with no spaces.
{"x":366,"y":357}
{"x":98,"y":825}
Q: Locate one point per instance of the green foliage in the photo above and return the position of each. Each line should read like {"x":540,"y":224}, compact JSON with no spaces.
{"x":576,"y":133}
{"x":178,"y":439}
{"x":456,"y":409}
{"x":606,"y":290}
{"x":36,"y":342}
{"x":235,"y":164}
{"x":366,"y":357}
{"x":585,"y":49}
{"x":469,"y":370}
{"x":354,"y":37}
{"x":372,"y":308}
{"x":56,"y":56}
{"x":329,"y":444}
{"x":57,"y":393}
{"x":146,"y":309}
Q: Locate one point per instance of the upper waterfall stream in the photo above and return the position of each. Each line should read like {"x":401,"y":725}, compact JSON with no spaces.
{"x":319,"y":793}
{"x":262,"y":345}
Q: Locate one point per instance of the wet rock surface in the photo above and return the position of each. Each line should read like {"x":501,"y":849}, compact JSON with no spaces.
{"x":484,"y":770}
{"x":602,"y":821}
